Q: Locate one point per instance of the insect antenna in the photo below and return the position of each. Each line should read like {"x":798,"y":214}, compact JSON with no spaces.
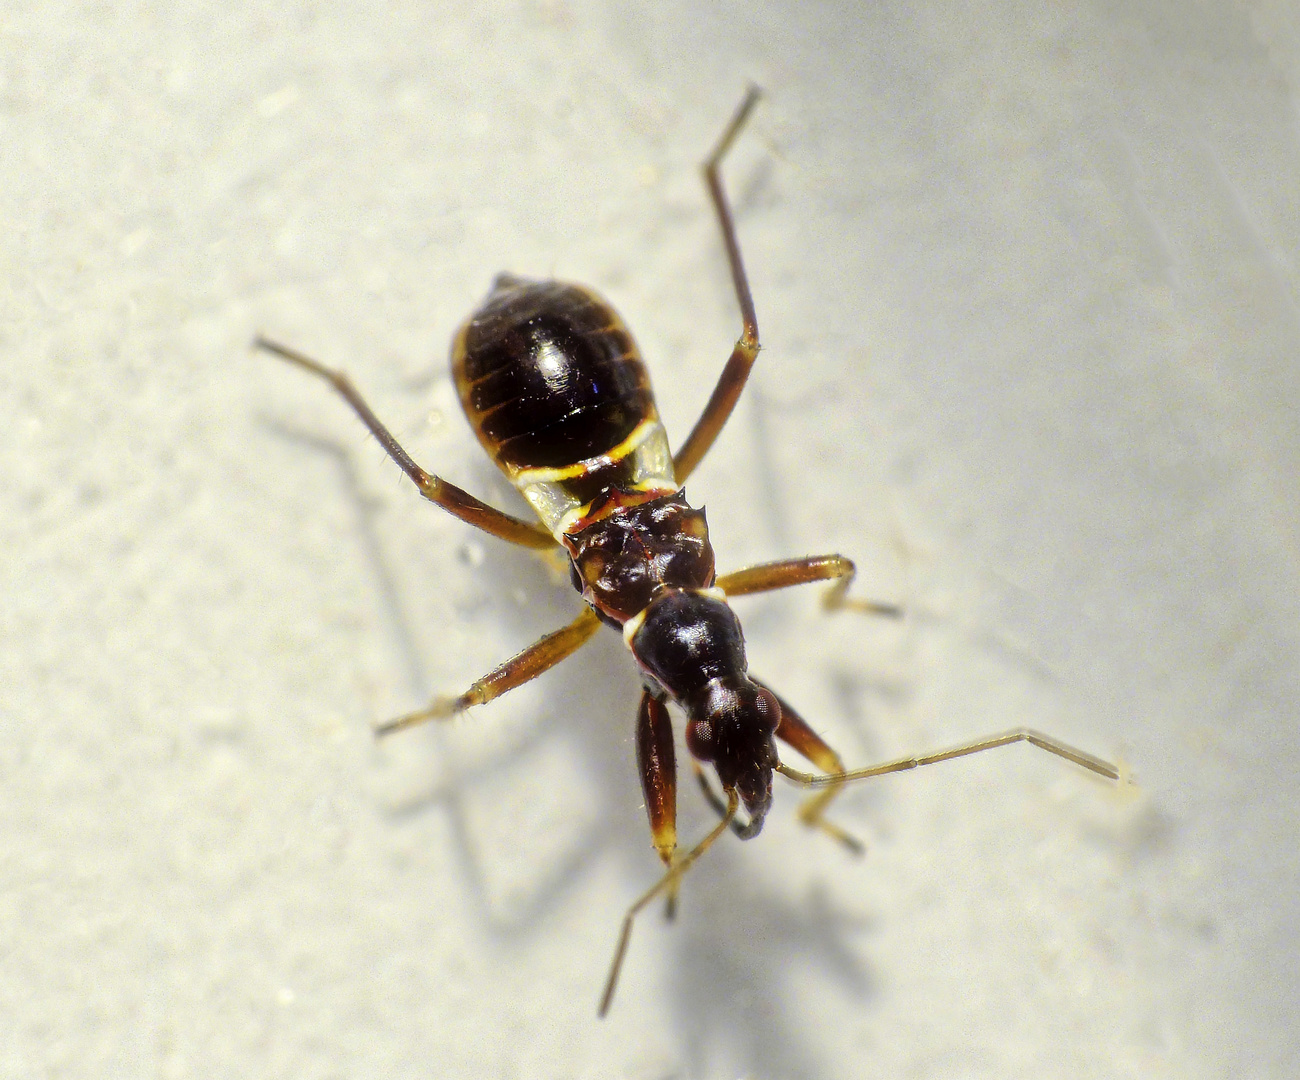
{"x":988,"y":742}
{"x":668,"y":881}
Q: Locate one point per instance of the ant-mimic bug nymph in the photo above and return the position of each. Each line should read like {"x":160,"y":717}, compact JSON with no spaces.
{"x":558,"y":395}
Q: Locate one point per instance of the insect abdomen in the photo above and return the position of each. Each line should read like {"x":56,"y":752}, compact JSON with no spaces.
{"x":549,"y":376}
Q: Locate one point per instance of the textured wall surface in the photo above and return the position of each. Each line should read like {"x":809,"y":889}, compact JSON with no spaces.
{"x":1027,"y":282}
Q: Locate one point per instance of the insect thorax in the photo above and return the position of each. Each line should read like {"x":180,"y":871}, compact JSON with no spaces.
{"x":631,"y":553}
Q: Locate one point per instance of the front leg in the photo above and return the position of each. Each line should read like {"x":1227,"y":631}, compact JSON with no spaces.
{"x":794,"y":731}
{"x":656,"y":759}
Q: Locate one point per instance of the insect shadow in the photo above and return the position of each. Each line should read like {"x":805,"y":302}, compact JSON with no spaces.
{"x":580,"y":704}
{"x":726,"y":1001}
{"x":556,"y":391}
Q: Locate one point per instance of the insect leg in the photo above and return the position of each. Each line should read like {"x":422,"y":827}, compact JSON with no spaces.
{"x":540,"y":656}
{"x":656,"y":760}
{"x":794,"y":731}
{"x":780,"y":575}
{"x":669,"y":881}
{"x":746,"y":830}
{"x":732,"y":381}
{"x":454,"y":500}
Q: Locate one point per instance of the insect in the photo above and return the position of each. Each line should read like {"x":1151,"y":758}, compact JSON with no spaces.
{"x":559,"y":397}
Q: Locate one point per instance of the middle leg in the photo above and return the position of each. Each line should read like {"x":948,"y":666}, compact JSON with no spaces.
{"x":540,"y":656}
{"x":786,"y":572}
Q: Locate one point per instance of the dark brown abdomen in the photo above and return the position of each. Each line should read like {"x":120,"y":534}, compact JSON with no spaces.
{"x":548,"y":375}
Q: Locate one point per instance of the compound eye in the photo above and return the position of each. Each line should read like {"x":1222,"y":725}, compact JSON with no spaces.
{"x":767,"y":710}
{"x":702,"y":739}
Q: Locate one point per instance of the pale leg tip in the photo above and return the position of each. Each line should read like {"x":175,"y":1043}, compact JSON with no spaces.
{"x":442,"y":708}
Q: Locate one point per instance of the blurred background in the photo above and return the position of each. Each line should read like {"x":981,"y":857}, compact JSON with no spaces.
{"x":1026,"y":277}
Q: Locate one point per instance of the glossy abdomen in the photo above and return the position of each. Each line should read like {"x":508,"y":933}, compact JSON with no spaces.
{"x":549,"y":376}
